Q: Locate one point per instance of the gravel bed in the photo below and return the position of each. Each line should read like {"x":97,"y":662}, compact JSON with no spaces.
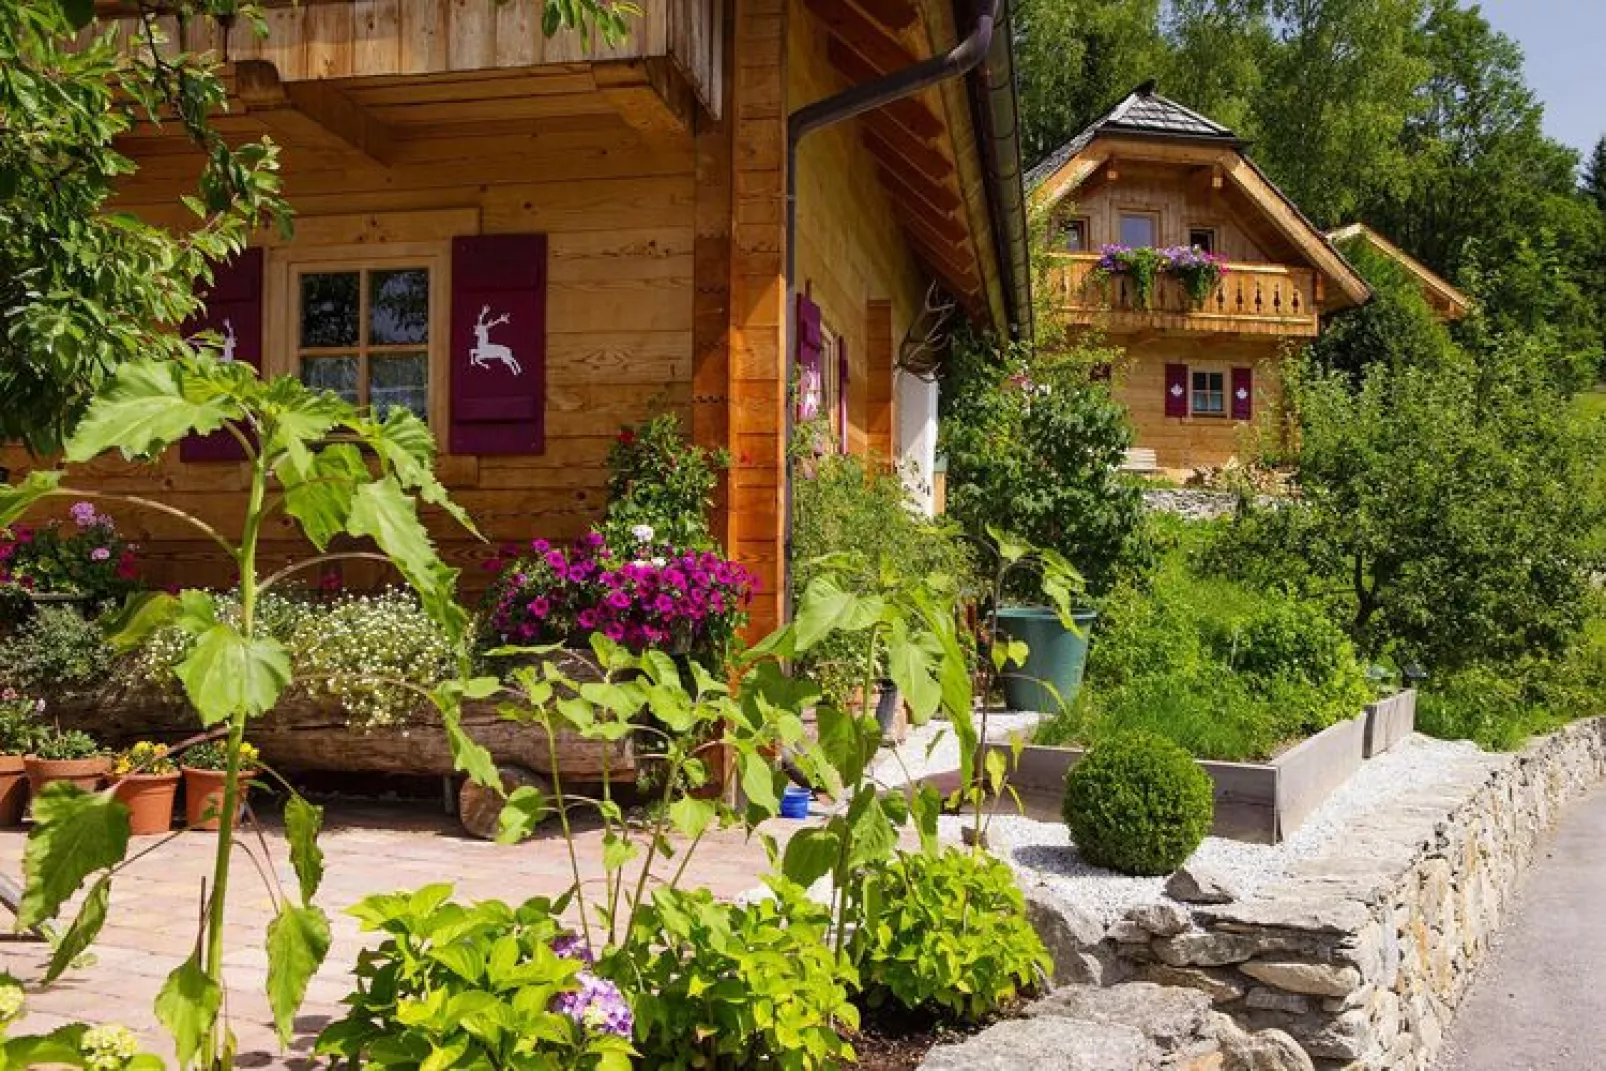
{"x":1042,"y":852}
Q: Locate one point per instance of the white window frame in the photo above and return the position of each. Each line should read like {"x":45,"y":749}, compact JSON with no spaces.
{"x":1194,"y":392}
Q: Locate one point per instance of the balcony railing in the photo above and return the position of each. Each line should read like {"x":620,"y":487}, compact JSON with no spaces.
{"x":1260,"y":299}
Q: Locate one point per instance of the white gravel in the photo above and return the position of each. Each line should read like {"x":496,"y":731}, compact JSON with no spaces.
{"x":933,"y":748}
{"x":1042,"y":852}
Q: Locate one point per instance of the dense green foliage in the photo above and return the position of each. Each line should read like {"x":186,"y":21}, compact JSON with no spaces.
{"x":65,"y":744}
{"x":660,"y":487}
{"x":479,"y":986}
{"x":1138,"y":804}
{"x":1034,"y":447}
{"x":57,"y":647}
{"x":738,"y":985}
{"x":853,"y":519}
{"x":1226,"y":670}
{"x":948,"y":931}
{"x":1412,"y":115}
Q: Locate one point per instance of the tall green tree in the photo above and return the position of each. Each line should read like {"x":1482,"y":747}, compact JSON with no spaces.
{"x":1076,"y":59}
{"x":1594,"y":182}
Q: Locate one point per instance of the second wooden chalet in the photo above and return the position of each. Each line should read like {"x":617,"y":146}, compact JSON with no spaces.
{"x":1201,"y":368}
{"x":530,"y":241}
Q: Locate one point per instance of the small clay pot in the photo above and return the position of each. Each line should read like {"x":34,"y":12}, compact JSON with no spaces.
{"x":85,"y":773}
{"x":149,"y":798}
{"x":203,"y":796}
{"x":13,"y":789}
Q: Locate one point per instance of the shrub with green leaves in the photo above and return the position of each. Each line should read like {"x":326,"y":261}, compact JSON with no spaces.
{"x":734,"y":985}
{"x":484,"y":985}
{"x":1138,"y":804}
{"x":19,"y":722}
{"x":658,"y":480}
{"x":58,"y":647}
{"x":946,"y":931}
{"x":65,"y":745}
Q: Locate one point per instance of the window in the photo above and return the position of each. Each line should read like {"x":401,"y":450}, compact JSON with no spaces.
{"x":1202,"y":238}
{"x":831,"y":385}
{"x":1209,"y":394}
{"x":365,"y":333}
{"x":1075,"y":235}
{"x":1139,"y":228}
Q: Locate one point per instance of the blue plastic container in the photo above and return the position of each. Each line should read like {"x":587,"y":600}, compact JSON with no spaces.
{"x":795,"y":802}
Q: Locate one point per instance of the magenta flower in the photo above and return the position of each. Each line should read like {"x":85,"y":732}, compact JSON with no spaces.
{"x":100,"y":554}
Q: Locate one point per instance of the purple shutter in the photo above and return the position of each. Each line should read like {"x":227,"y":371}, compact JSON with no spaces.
{"x":842,"y":393}
{"x":498,"y":344}
{"x":1243,"y":393}
{"x":810,"y":340}
{"x":1176,"y":390}
{"x":233,"y":311}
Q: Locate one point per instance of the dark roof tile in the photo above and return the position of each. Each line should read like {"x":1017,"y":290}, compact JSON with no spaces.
{"x":1143,"y":111}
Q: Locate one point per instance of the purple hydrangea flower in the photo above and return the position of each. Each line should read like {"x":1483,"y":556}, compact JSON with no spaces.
{"x":597,"y":1005}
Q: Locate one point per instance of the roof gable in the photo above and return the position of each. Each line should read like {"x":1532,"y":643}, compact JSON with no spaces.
{"x":1447,"y":300}
{"x":1142,"y":112}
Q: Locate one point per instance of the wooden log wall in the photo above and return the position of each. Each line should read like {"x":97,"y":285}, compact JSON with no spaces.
{"x":1191,"y":442}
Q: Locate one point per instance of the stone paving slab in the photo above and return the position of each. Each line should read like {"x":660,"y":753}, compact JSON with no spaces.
{"x":368,"y":848}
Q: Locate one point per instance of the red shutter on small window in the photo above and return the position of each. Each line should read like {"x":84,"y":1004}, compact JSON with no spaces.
{"x":1176,"y":390}
{"x":1243,"y":393}
{"x":498,"y":344}
{"x":810,"y":341}
{"x":842,"y":394}
{"x":234,"y":312}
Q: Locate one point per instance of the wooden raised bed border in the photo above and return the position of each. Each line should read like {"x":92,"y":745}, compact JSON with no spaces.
{"x":1257,"y":802}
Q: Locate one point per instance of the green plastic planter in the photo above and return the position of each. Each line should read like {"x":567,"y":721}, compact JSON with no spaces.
{"x":1057,"y":656}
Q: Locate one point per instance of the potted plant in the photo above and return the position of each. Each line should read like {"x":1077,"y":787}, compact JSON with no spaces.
{"x":205,"y":767}
{"x":18,"y":728}
{"x":65,"y":755}
{"x":146,"y":781}
{"x":85,"y":561}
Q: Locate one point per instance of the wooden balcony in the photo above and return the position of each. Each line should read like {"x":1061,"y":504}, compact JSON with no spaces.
{"x":1250,"y":299}
{"x":318,"y":40}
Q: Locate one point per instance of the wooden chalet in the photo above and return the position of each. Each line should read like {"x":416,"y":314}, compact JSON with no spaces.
{"x":1153,"y":173}
{"x":532,"y":241}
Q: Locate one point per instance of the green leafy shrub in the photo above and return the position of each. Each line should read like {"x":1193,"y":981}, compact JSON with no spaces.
{"x":488,"y":986}
{"x":946,"y":931}
{"x":1303,"y":664}
{"x":854,"y":519}
{"x":214,"y":755}
{"x":1035,"y":448}
{"x":658,"y":480}
{"x":19,"y":722}
{"x":736,"y":985}
{"x":57,"y":647}
{"x":65,"y":745}
{"x":1138,"y":804}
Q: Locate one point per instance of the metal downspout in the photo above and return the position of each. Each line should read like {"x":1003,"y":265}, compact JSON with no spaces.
{"x":855,"y":100}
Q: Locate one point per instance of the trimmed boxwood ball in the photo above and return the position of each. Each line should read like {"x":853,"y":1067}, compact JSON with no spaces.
{"x":1137,"y":803}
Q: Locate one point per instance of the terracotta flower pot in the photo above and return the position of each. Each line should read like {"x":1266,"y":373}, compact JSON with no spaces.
{"x":203,"y":796}
{"x":13,"y":789}
{"x":149,"y":798}
{"x":85,"y":773}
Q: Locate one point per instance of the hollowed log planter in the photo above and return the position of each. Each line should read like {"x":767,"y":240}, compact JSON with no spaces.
{"x":13,"y":789}
{"x":149,"y":799}
{"x":87,"y":774}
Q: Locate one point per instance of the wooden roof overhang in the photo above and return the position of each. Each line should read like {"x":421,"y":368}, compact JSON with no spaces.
{"x":925,"y":146}
{"x":1223,"y":165}
{"x":1450,"y":302}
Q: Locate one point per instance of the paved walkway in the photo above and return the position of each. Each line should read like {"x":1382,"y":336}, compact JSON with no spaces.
{"x":368,"y":848}
{"x":1539,"y":1003}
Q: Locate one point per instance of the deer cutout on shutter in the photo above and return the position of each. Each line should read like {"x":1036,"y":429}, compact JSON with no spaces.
{"x":486,"y":352}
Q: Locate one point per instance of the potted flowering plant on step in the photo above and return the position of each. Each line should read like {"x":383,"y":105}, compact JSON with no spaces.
{"x":145,"y":779}
{"x":205,"y":769}
{"x":65,"y":755}
{"x":18,"y":730}
{"x":83,"y":560}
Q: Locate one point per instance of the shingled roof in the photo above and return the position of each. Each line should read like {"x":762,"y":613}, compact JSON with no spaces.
{"x":1142,"y":112}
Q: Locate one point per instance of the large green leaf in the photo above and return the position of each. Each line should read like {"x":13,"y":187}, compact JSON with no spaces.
{"x":914,"y":664}
{"x":299,"y":418}
{"x":298,"y":940}
{"x":187,"y":1006}
{"x":319,"y":495}
{"x":302,"y":821}
{"x":811,"y":854}
{"x":142,"y":410}
{"x":64,"y":1046}
{"x":17,"y":499}
{"x":841,"y":742}
{"x":873,"y":835}
{"x":408,"y":446}
{"x":75,"y":833}
{"x":758,"y":782}
{"x":826,"y":608}
{"x":468,"y":755}
{"x":82,"y":933}
{"x":144,"y":614}
{"x":690,"y":816}
{"x":385,"y":513}
{"x":226,"y":674}
{"x":525,"y":810}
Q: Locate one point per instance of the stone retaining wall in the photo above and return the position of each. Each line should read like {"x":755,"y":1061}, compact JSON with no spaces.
{"x":1363,"y":955}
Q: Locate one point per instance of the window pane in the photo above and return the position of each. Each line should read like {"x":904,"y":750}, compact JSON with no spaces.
{"x":1208,"y":395}
{"x":1137,"y":229}
{"x":1076,"y":235}
{"x":398,"y":307}
{"x":338,"y":374}
{"x":1204,"y":238}
{"x":401,"y":380}
{"x":329,"y":309}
